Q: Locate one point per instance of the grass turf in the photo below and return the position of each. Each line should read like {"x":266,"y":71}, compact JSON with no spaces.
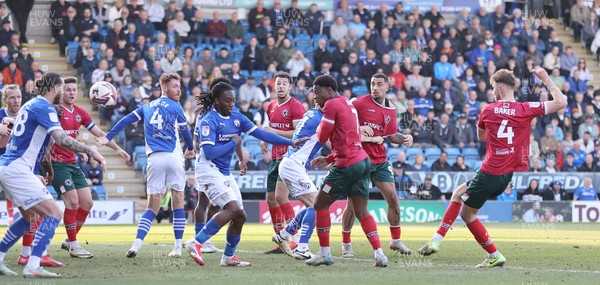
{"x":536,"y":254}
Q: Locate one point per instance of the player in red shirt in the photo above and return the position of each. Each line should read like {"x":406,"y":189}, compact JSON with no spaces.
{"x":284,"y":114}
{"x":349,"y":176}
{"x":377,"y":120}
{"x":505,"y":126}
{"x":67,"y":174}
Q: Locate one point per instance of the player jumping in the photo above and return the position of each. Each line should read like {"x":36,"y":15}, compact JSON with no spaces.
{"x":504,"y":125}
{"x":163,"y":120}
{"x":349,"y":176}
{"x":377,"y":119}
{"x":219,"y":135}
{"x":36,"y":122}
{"x":292,"y":171}
{"x":69,"y":181}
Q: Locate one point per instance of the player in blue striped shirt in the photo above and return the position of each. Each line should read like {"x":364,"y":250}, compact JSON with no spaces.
{"x":219,"y":133}
{"x":163,"y":121}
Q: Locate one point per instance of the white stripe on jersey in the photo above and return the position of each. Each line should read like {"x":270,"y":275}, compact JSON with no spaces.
{"x":328,"y":121}
{"x":302,"y":155}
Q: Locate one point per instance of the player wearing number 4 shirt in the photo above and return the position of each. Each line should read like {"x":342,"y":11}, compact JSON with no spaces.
{"x":377,"y":119}
{"x":69,"y":181}
{"x":163,"y":121}
{"x":504,"y":125}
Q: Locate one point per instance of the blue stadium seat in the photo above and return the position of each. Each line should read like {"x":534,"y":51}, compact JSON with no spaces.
{"x":393,"y":151}
{"x":248,"y":36}
{"x":141,"y":162}
{"x":258,"y":74}
{"x":430,"y":161}
{"x":317,"y":37}
{"x":360,"y":90}
{"x":432,"y":152}
{"x":473,"y":164}
{"x":470,"y":152}
{"x":139,"y":150}
{"x":250,"y":140}
{"x":101,"y":191}
{"x":219,"y":46}
{"x":453,"y":152}
{"x":184,"y":46}
{"x":95,"y":45}
{"x":412,"y":152}
{"x":244,"y":72}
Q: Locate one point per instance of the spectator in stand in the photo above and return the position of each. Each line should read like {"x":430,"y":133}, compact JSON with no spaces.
{"x":286,"y":52}
{"x":548,"y":142}
{"x":555,"y":192}
{"x":125,"y":17}
{"x":443,"y":132}
{"x":110,"y":58}
{"x":299,"y":91}
{"x":344,"y":11}
{"x":58,"y":11}
{"x":422,"y":103}
{"x":127,"y":89}
{"x":234,"y":30}
{"x":428,"y":191}
{"x":577,"y":84}
{"x":579,"y":155}
{"x":586,"y":192}
{"x":98,"y":73}
{"x":173,"y":39}
{"x":5,"y":33}
{"x":119,"y":72}
{"x":265,"y":31}
{"x":67,"y":31}
{"x":136,"y":100}
{"x":589,"y":165}
{"x":131,"y":58}
{"x":256,"y":15}
{"x":114,"y":35}
{"x":252,"y":56}
{"x":249,"y":92}
{"x":296,"y":64}
{"x":134,"y":135}
{"x":509,"y":195}
{"x":586,"y":142}
{"x":207,"y":61}
{"x":182,"y":27}
{"x":216,"y":29}
{"x":235,"y":77}
{"x":442,"y":70}
{"x":460,"y":165}
{"x":552,"y":60}
{"x":550,"y":166}
{"x":134,"y":10}
{"x":95,"y":173}
{"x":422,"y":133}
{"x":139,"y":72}
{"x":442,"y":163}
{"x":532,"y":193}
{"x":307,"y":74}
{"x":263,"y":164}
{"x":170,"y":12}
{"x":338,"y":30}
{"x":249,"y":163}
{"x":171,"y":63}
{"x":569,"y":165}
{"x":199,"y":28}
{"x":588,"y":127}
{"x":463,"y":135}
{"x":89,"y":64}
{"x":419,"y":164}
{"x":578,"y":15}
{"x":224,"y":60}
{"x":87,"y":26}
{"x":314,"y":18}
{"x":12,"y":75}
{"x":584,"y":73}
{"x":189,"y":10}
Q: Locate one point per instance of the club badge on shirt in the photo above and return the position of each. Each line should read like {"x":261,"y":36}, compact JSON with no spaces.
{"x":205,"y":130}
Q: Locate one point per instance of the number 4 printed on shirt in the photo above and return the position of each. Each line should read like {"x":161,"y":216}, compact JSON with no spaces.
{"x":157,"y":119}
{"x":506,"y":132}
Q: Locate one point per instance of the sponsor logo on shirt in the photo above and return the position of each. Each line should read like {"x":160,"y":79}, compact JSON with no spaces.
{"x":505,"y":151}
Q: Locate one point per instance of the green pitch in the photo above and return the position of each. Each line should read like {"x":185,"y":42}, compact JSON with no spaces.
{"x":536,"y":254}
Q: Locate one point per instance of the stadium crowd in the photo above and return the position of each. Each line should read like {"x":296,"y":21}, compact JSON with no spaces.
{"x":439,"y":68}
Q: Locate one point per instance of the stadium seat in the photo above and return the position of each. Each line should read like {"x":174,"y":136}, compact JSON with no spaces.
{"x":219,"y":46}
{"x":470,"y":152}
{"x":101,"y":191}
{"x":139,"y":150}
{"x":393,"y":153}
{"x":412,"y":152}
{"x":432,"y":152}
{"x":258,"y":74}
{"x":248,"y":36}
{"x":429,"y":162}
{"x":141,"y":162}
{"x":452,"y":152}
{"x":361,"y":90}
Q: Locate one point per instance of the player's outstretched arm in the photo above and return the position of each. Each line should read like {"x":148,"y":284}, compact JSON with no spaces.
{"x":270,"y":137}
{"x":67,"y":142}
{"x":560,"y":100}
{"x":120,"y":126}
{"x":97,"y":132}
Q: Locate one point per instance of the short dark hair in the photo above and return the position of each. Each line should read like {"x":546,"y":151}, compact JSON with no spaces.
{"x":326,"y":81}
{"x":284,"y":75}
{"x":503,"y":76}
{"x":70,"y":80}
{"x":48,"y":80}
{"x":381,"y":75}
{"x":216,"y":81}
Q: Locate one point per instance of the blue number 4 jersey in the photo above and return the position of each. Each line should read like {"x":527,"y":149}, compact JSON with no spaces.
{"x":31,"y":133}
{"x":217,"y":130}
{"x":306,"y":128}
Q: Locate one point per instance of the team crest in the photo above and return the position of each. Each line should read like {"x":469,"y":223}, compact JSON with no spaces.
{"x":227,"y":183}
{"x":505,"y":105}
{"x":205,"y":130}
{"x":285,"y":113}
{"x":78,"y":118}
{"x":68,"y":182}
{"x":236,"y":123}
{"x":387,"y":119}
{"x":310,"y":114}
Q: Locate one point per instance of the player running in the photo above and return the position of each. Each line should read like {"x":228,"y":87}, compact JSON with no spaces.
{"x":36,"y":122}
{"x":504,"y":125}
{"x":163,"y":120}
{"x":292,"y":171}
{"x":11,"y":95}
{"x":284,"y":114}
{"x":204,"y":210}
{"x":377,"y":120}
{"x":220,"y":131}
{"x":349,"y":176}
{"x":69,"y":181}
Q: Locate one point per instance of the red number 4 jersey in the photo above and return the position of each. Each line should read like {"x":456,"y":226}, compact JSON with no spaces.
{"x":507,"y":125}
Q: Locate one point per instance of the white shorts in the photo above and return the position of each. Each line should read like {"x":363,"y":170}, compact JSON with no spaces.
{"x":294,"y":175}
{"x":219,"y":189}
{"x":165,"y":170}
{"x":22,"y":186}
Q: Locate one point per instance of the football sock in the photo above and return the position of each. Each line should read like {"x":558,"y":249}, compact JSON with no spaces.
{"x":323,"y":226}
{"x":28,"y":239}
{"x":395,"y":231}
{"x":70,"y":219}
{"x":43,"y":236}
{"x":294,"y":225}
{"x":482,"y":237}
{"x":211,"y":229}
{"x":81,"y":217}
{"x":231,"y":244}
{"x":308,"y":226}
{"x":145,"y":224}
{"x":178,"y":225}
{"x":346,"y":236}
{"x":449,"y":217}
{"x":198,"y":227}
{"x":288,"y":212}
{"x":370,"y":228}
{"x":277,"y":218}
{"x":12,"y":235}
